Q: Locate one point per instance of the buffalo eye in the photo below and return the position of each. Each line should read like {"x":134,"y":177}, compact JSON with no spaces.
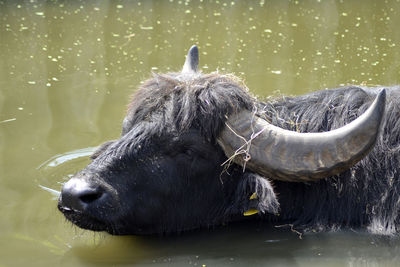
{"x":183,"y":151}
{"x":189,"y":152}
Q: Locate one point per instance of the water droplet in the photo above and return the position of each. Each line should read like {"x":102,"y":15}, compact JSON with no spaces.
{"x":276,"y":71}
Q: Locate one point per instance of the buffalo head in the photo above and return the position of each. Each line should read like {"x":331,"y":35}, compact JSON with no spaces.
{"x":196,"y":151}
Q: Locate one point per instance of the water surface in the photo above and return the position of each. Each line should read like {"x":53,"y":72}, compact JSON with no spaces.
{"x":67,"y":69}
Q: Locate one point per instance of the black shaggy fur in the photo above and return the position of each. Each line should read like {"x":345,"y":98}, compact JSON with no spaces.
{"x":151,"y":160}
{"x":168,"y":102}
{"x":365,"y":195}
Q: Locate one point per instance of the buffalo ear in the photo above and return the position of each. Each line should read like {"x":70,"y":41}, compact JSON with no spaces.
{"x":254,"y":194}
{"x":100,"y":149}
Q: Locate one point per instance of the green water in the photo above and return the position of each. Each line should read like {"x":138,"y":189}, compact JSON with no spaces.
{"x":67,"y":69}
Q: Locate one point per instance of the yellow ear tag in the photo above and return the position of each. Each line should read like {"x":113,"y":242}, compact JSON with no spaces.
{"x":250,"y":212}
{"x":253,"y":196}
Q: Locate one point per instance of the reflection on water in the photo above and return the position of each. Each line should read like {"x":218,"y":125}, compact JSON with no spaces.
{"x":249,"y":244}
{"x":54,"y":192}
{"x":57,"y":162}
{"x":67,"y":69}
{"x":68,"y":156}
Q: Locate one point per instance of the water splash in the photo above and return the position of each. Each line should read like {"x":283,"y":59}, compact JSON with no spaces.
{"x":54,"y":192}
{"x":61,"y":166}
{"x":68,"y":156}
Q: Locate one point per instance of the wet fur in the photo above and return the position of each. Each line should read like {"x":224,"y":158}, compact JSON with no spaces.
{"x":168,"y":147}
{"x":366,"y":195}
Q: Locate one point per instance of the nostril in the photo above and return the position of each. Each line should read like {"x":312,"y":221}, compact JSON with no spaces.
{"x":90,"y":197}
{"x":78,"y":194}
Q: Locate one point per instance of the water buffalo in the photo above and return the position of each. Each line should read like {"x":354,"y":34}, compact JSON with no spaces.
{"x":198,"y":150}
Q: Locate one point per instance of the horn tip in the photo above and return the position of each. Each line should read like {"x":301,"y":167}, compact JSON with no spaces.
{"x":192,"y":60}
{"x":193,"y":47}
{"x":193,"y":54}
{"x":381,"y":100}
{"x":382,"y":94}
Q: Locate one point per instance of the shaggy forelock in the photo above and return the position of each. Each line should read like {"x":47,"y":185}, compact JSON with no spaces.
{"x":168,"y":103}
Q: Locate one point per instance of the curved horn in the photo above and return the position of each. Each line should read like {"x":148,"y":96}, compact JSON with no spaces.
{"x":298,"y":157}
{"x":192,"y":60}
